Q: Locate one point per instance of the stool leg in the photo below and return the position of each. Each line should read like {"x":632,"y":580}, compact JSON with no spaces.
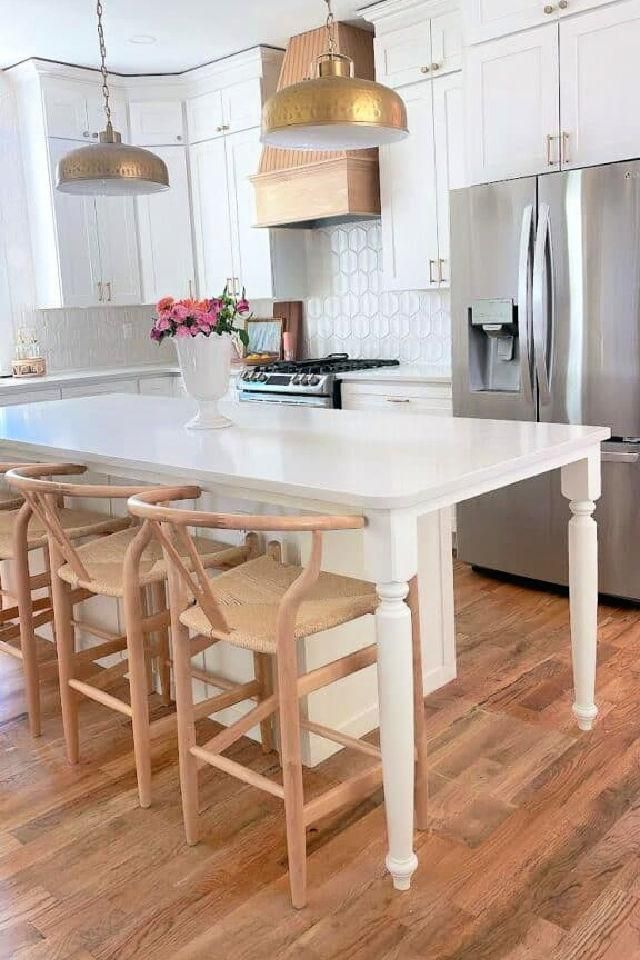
{"x":292,"y":769}
{"x":138,"y":685}
{"x":262,"y":670}
{"x":65,"y":642}
{"x":22,"y":583}
{"x":184,"y":706}
{"x":158,"y":597}
{"x":422,"y":766}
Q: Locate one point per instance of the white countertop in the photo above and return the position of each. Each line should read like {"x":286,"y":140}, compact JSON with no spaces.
{"x":406,"y":372}
{"x":142,"y":371}
{"x":361,"y":460}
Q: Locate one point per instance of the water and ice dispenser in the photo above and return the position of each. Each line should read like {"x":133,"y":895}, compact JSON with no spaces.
{"x":494,"y":347}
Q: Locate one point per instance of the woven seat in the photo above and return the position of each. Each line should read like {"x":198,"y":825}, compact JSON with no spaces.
{"x":250,"y":595}
{"x":77,"y":524}
{"x":103,"y":560}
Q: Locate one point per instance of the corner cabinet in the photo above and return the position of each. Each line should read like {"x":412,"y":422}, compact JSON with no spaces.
{"x":420,"y":54}
{"x":554,"y":96}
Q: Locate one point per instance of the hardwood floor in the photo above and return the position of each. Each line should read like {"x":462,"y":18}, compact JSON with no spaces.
{"x":533,"y":851}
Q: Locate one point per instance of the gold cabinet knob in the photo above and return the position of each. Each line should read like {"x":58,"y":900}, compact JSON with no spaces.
{"x":563,"y":4}
{"x":435,"y":66}
{"x":425,"y":69}
{"x":549,"y":8}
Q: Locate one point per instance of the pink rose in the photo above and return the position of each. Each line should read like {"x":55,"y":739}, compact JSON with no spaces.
{"x":179,"y":313}
{"x":162,"y":323}
{"x":183,"y":332}
{"x":208,"y":319}
{"x":242,"y":306}
{"x":215,"y":306}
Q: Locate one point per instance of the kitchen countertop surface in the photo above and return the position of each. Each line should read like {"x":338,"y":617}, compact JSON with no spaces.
{"x":406,"y":372}
{"x":349,"y":458}
{"x":11,"y":384}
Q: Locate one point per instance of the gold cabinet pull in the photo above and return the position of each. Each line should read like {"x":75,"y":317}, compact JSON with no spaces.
{"x":565,"y":147}
{"x":549,"y":140}
{"x":440,"y":276}
{"x":108,"y":286}
{"x":398,"y":399}
{"x":100,"y":291}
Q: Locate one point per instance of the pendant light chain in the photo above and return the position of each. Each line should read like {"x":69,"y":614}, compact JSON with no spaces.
{"x":103,"y":65}
{"x":331,"y":33}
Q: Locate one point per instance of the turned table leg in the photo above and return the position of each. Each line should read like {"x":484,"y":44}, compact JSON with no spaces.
{"x":581,"y":486}
{"x":395,"y":693}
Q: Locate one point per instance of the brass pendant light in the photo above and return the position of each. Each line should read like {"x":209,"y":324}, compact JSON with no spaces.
{"x":334,"y":110}
{"x":110,"y":167}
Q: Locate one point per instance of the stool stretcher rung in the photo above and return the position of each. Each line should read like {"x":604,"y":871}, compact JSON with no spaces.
{"x":337,"y":736}
{"x":221,"y":701}
{"x":200,"y":643}
{"x":94,"y":630}
{"x":89,"y":654}
{"x":107,"y":675}
{"x":352,"y":790}
{"x":101,"y":697}
{"x":226,"y":737}
{"x":213,"y":679}
{"x":240,"y":772}
{"x":337,"y":669}
{"x":15,"y":652}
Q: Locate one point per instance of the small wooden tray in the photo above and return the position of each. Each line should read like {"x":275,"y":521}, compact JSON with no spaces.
{"x":29,"y":367}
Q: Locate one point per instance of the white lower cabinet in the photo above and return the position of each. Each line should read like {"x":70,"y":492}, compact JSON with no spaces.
{"x":427,"y":398}
{"x":599,"y":81}
{"x":164,"y":229}
{"x":512,"y":112}
{"x":94,"y":389}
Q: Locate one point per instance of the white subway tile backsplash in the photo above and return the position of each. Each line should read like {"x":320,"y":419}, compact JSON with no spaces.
{"x":346,"y":309}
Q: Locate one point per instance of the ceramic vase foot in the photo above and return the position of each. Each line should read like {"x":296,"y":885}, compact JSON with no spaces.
{"x":208,"y":417}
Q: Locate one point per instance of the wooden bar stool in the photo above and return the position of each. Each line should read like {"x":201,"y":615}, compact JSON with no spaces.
{"x":22,"y":533}
{"x":127,"y":565}
{"x":266,"y":606}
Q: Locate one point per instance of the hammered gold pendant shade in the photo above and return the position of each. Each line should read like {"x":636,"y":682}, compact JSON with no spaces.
{"x":111,"y":168}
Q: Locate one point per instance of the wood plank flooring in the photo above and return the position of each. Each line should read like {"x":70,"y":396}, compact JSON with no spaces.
{"x":533,"y":851}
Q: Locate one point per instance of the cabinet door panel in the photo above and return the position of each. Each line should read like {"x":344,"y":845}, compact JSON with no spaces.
{"x":156,"y":122}
{"x":408,"y":199}
{"x":242,"y":105}
{"x":118,"y":235}
{"x":448,"y":122}
{"x":600,"y":77}
{"x":212,"y":230}
{"x":251,"y":245}
{"x":446,"y":43}
{"x":164,"y":224}
{"x":489,"y":19}
{"x":404,"y":56}
{"x":65,"y":108}
{"x":76,"y":240}
{"x":204,"y":117}
{"x":511,"y":88}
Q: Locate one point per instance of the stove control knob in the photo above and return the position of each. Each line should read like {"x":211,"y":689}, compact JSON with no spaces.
{"x":314,"y":381}
{"x":304,"y":381}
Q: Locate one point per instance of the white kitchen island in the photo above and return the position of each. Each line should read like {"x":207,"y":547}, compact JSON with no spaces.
{"x":399,"y":473}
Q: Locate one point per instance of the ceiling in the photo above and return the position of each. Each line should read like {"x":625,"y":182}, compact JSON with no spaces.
{"x":187,"y":33}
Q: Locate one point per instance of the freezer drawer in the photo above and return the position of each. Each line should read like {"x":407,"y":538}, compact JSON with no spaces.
{"x":522,"y":529}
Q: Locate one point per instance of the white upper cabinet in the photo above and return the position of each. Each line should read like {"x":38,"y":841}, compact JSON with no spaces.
{"x":251,"y":247}
{"x":118,"y":239}
{"x":408,"y":199}
{"x":599,"y":83}
{"x":448,"y":126}
{"x":204,"y":116}
{"x":74,"y":110}
{"x":242,"y":105}
{"x":489,"y":19}
{"x":512,"y":112}
{"x":156,"y":122}
{"x":446,"y":43}
{"x":164,"y":228}
{"x":211,"y":218}
{"x":404,"y":56}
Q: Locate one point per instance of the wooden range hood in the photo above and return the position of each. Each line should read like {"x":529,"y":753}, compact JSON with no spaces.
{"x":302,"y":187}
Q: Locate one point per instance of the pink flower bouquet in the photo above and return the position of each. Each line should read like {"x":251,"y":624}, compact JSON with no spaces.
{"x":192,"y":318}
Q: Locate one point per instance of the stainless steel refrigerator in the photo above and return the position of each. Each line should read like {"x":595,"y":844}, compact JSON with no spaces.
{"x":546,"y":326}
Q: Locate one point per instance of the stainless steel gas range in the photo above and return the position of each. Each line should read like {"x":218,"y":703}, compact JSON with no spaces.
{"x":313,"y":383}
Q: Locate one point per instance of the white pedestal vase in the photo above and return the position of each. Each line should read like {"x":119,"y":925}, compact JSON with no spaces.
{"x":205,"y":363}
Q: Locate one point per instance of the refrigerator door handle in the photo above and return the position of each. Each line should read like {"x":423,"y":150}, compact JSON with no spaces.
{"x":524,"y":300}
{"x":543,"y":319}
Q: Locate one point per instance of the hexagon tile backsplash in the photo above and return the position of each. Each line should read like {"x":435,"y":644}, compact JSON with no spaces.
{"x":348,"y":311}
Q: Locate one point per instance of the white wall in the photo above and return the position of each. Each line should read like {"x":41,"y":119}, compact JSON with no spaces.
{"x":346,"y":310}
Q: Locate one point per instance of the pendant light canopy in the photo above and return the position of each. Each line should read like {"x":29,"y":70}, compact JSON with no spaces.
{"x":110,"y":167}
{"x":334,"y":110}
